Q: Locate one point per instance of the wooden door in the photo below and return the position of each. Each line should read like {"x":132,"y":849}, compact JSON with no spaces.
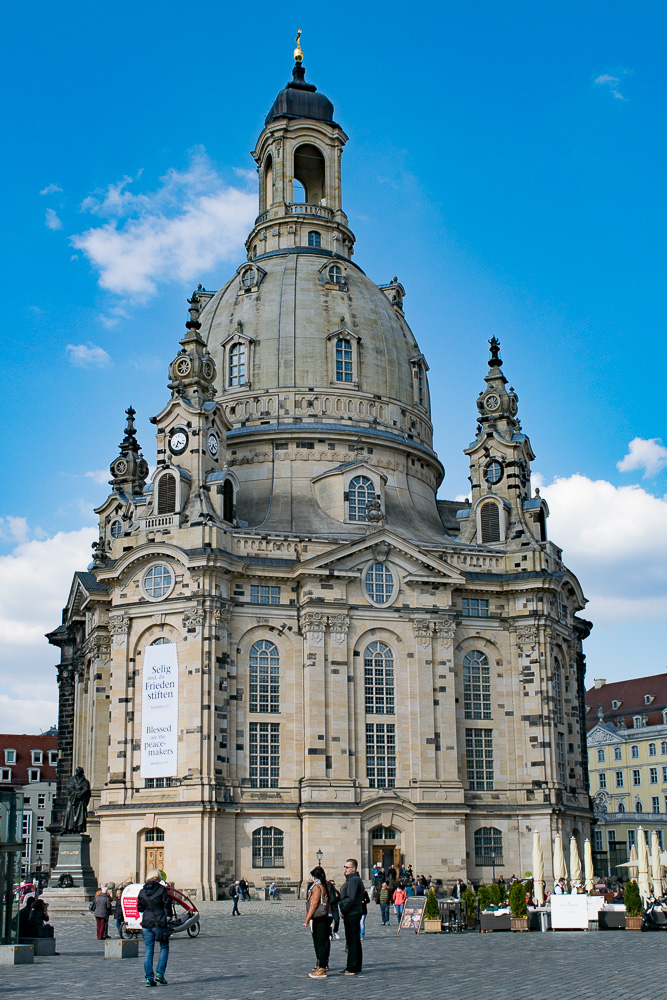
{"x":377,"y":855}
{"x":397,"y":859}
{"x":155,"y":858}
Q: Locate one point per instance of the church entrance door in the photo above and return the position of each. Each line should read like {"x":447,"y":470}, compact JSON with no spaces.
{"x":154,"y":858}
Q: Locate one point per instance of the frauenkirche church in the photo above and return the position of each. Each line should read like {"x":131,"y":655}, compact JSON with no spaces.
{"x":285,"y":643}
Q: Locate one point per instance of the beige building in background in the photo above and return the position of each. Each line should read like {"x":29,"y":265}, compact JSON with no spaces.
{"x":362,"y":669}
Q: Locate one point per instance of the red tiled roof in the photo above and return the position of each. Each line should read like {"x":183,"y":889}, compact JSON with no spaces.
{"x":24,"y":744}
{"x":631,"y":695}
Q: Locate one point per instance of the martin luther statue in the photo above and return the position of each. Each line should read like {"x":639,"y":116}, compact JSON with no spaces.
{"x":78,"y":797}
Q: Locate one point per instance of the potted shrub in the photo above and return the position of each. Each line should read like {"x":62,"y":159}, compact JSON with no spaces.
{"x":432,"y":921}
{"x":633,"y":907}
{"x":518,"y":907}
{"x":484,"y":897}
{"x":469,"y":899}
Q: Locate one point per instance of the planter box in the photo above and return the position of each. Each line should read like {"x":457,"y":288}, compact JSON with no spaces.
{"x":433,"y":926}
{"x":633,"y":923}
{"x":519,"y":923}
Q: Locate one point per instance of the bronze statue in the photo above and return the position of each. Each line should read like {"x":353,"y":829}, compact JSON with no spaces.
{"x":78,"y":797}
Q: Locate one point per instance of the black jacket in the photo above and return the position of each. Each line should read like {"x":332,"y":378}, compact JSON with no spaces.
{"x":155,"y":905}
{"x":351,"y":896}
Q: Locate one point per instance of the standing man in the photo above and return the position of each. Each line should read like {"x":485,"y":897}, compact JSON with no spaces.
{"x":102,"y":908}
{"x":351,"y":907}
{"x":155,"y":906}
{"x":236,"y":895}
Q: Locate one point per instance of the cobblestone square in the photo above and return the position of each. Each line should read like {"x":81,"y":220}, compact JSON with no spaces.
{"x":267,"y":951}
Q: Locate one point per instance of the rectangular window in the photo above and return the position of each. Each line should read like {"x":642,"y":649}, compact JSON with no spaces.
{"x":264,"y":677}
{"x":381,"y":754}
{"x":632,"y":839}
{"x":618,"y":753}
{"x":558,"y":694}
{"x":664,"y":773}
{"x":655,"y":804}
{"x":611,"y":837}
{"x":5,"y":774}
{"x":479,"y":759}
{"x":652,"y":750}
{"x":379,"y":680}
{"x":636,"y":776}
{"x":598,"y":843}
{"x":634,"y":752}
{"x":663,"y":747}
{"x":37,"y":756}
{"x":157,"y":783}
{"x":471,"y":607}
{"x":264,"y":595}
{"x":40,"y":822}
{"x":264,"y":755}
{"x":39,"y":847}
{"x":343,"y":361}
{"x":659,"y":832}
{"x":602,"y":779}
{"x":33,"y":774}
{"x":10,"y":756}
{"x":53,"y":757}
{"x":477,"y":690}
{"x":560,"y":757}
{"x":653,"y":775}
{"x":600,"y":756}
{"x":618,"y":779}
{"x":41,"y":800}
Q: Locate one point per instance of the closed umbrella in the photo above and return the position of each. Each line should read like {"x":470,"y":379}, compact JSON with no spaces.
{"x":538,"y":868}
{"x":632,"y":863}
{"x":656,"y":865}
{"x":575,"y":862}
{"x":588,"y":866}
{"x":643,"y":880}
{"x":560,"y":871}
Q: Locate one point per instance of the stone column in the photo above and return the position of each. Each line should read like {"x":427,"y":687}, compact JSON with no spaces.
{"x":340,"y":711}
{"x":313,"y":625}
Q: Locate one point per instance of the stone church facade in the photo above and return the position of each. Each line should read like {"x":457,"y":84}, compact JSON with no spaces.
{"x":362,"y":669}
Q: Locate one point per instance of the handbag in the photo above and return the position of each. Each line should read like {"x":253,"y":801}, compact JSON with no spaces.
{"x":322,"y":909}
{"x":91,"y":906}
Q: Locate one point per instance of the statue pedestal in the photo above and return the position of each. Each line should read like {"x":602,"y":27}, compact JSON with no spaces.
{"x":74,"y":860}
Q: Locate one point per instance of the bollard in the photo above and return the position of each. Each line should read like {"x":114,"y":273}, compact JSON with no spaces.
{"x":121,"y":949}
{"x":16,"y":954}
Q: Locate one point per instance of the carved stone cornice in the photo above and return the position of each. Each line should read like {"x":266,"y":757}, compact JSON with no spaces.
{"x":119,"y":624}
{"x":339,"y":626}
{"x":426,"y":629}
{"x":194,"y":618}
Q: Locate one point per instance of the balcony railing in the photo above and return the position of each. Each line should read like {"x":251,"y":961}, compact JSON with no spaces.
{"x":489,"y":860}
{"x":303,"y":208}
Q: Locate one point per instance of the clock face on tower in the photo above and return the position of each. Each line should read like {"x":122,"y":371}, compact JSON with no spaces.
{"x":178,"y":441}
{"x":213,"y":446}
{"x":492,"y":402}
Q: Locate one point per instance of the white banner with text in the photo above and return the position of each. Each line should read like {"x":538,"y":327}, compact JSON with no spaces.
{"x":159,"y":712}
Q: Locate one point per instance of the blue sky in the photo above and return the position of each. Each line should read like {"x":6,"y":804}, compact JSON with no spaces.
{"x":505,"y":161}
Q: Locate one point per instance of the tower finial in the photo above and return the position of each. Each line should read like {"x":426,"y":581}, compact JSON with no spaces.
{"x":495,"y":361}
{"x":298,"y":54}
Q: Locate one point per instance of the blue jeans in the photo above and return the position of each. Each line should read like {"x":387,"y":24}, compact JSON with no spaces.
{"x":150,"y":937}
{"x":119,"y":924}
{"x":398,"y":907}
{"x":384,"y":912}
{"x":362,"y":927}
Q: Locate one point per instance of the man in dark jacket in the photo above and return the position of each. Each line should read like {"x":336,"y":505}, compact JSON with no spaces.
{"x":351,"y":907}
{"x":102,"y":911}
{"x":156,"y":906}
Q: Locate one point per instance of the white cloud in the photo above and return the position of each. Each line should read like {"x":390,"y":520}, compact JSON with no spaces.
{"x":51,"y":189}
{"x":648,"y":454}
{"x":34,"y":583}
{"x":612,"y":82}
{"x":87,"y":356}
{"x":189,"y":224}
{"x":98,"y":476}
{"x":615,"y":540}
{"x":52,"y":221}
{"x":13,"y":529}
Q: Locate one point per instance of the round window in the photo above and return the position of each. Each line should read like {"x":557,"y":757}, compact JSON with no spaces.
{"x":379,"y":583}
{"x":248,"y":277}
{"x":493,"y":473}
{"x":116,"y":528}
{"x":158,"y":582}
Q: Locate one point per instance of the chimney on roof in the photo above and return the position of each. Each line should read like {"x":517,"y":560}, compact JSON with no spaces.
{"x":600,"y":682}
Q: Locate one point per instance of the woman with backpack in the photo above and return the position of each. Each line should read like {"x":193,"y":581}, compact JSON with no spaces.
{"x":319,"y":917}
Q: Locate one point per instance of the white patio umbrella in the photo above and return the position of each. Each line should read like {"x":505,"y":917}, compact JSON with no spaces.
{"x":656,"y":865}
{"x":588,"y":866}
{"x":560,"y":871}
{"x":538,"y":868}
{"x":633,"y":870}
{"x":575,"y":861}
{"x":643,"y":879}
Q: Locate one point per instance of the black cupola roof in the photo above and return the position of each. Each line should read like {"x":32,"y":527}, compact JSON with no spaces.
{"x":300,"y":100}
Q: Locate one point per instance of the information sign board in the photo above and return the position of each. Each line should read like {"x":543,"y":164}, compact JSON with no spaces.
{"x":413,"y":914}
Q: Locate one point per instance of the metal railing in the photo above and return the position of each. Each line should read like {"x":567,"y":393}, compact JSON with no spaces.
{"x":303,"y":208}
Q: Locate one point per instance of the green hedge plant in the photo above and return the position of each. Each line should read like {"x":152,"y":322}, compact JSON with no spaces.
{"x":518,"y":905}
{"x":469,"y":899}
{"x":431,"y":910}
{"x":484,"y":896}
{"x":633,"y":900}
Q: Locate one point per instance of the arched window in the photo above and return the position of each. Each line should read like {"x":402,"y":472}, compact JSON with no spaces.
{"x":639,"y":807}
{"x":490,"y":521}
{"x":248,"y":277}
{"x":620,"y":808}
{"x":601,"y":755}
{"x":237,"y":364}
{"x":309,"y":170}
{"x":360,"y":491}
{"x":379,"y":581}
{"x":488,"y":846}
{"x":314,"y":239}
{"x":268,"y":848}
{"x":344,"y":361}
{"x":166,"y":494}
{"x":268,"y":182}
{"x":652,"y":750}
{"x":379,"y":679}
{"x":162,"y":641}
{"x":228,"y":500}
{"x":154,"y":836}
{"x":557,"y":689}
{"x":476,"y":685}
{"x":335,"y":274}
{"x":264,"y":690}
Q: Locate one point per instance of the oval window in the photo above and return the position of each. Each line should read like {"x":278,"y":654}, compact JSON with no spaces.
{"x":158,"y":582}
{"x":116,"y":528}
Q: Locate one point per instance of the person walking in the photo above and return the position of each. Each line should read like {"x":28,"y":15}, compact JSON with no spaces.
{"x":364,"y":913}
{"x":400,"y":896}
{"x":236,"y":895}
{"x":245,"y":890}
{"x":154,"y":904}
{"x":384,"y":898}
{"x":319,"y":917}
{"x":102,"y":911}
{"x":351,"y":899}
{"x":118,"y":912}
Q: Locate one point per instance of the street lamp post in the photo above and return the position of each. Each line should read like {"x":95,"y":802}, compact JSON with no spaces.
{"x":319,"y":855}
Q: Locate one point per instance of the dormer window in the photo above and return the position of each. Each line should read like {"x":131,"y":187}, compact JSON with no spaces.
{"x":335,"y":274}
{"x":638,"y":721}
{"x":33,"y":774}
{"x":237,"y":365}
{"x":10,"y":756}
{"x":489,"y":517}
{"x":615,"y":705}
{"x":166,"y":494}
{"x":314,"y":239}
{"x":53,"y":758}
{"x":248,"y":277}
{"x":360,"y":491}
{"x":344,"y":372}
{"x":37,"y":756}
{"x":648,"y":698}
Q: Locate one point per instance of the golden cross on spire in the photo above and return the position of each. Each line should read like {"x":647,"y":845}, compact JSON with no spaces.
{"x":298,"y":54}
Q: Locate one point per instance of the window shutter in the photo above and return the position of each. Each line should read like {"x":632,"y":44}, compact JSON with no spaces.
{"x":166,"y":494}
{"x":490,"y":519}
